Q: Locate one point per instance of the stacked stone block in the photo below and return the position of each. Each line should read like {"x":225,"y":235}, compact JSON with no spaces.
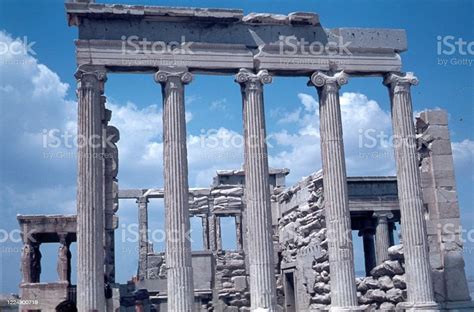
{"x":440,"y":199}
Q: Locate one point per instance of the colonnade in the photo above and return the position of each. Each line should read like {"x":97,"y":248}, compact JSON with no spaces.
{"x":258,"y":211}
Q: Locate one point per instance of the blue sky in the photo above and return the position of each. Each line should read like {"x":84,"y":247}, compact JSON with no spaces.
{"x":37,"y":93}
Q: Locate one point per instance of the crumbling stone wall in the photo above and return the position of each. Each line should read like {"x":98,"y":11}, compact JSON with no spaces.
{"x":303,"y":244}
{"x":443,"y":216}
{"x":304,"y":251}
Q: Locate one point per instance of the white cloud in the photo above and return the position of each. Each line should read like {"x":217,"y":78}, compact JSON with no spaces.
{"x":463,"y":154}
{"x":363,"y":119}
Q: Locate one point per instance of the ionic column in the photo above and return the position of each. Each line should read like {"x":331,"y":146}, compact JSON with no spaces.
{"x":417,"y":266}
{"x":367,"y":234}
{"x":90,"y":196}
{"x":175,"y":164}
{"x":143,"y":234}
{"x":382,"y":236}
{"x":338,"y":219}
{"x":257,"y":191}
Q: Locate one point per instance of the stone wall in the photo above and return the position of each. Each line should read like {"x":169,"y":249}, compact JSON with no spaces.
{"x":303,"y":244}
{"x":443,"y":217}
{"x":231,"y":282}
{"x":304,"y":253}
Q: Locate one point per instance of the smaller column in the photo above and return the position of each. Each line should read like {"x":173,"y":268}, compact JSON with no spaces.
{"x":212,"y":232}
{"x":205,"y":232}
{"x":238,"y":229}
{"x":367,"y":234}
{"x":218,"y":234}
{"x":35,"y":262}
{"x":382,"y":235}
{"x":143,"y":234}
{"x":27,"y":262}
{"x":63,"y":265}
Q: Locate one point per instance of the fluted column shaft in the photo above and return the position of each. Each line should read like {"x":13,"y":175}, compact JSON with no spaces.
{"x":418,"y":270}
{"x":382,"y":237}
{"x":143,"y":234}
{"x":90,"y":196}
{"x":338,"y":219}
{"x":257,"y":191}
{"x":178,"y":245}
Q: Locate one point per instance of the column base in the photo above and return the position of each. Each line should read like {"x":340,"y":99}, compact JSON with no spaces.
{"x":425,"y":306}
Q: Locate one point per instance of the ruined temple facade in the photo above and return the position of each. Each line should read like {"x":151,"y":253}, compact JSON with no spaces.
{"x":294,"y":245}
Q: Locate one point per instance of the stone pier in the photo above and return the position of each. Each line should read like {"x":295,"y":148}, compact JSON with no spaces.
{"x":338,"y":219}
{"x":413,"y":226}
{"x":175,"y":163}
{"x":90,"y":196}
{"x":257,"y":192}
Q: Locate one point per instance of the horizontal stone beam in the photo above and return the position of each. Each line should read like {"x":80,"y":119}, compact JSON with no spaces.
{"x":157,"y":193}
{"x":223,"y":41}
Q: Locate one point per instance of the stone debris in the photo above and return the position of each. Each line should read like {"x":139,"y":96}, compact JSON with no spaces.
{"x":384,"y":289}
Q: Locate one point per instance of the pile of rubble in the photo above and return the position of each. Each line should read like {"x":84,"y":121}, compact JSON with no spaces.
{"x":386,"y":285}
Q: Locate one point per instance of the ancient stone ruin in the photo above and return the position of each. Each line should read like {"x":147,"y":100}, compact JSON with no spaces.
{"x":294,"y":245}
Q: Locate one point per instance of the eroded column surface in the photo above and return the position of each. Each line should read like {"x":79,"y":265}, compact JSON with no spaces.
{"x":257,"y":191}
{"x":413,"y":227}
{"x":175,"y":163}
{"x":338,"y":219}
{"x":143,"y":234}
{"x":90,"y":195}
{"x":382,"y":236}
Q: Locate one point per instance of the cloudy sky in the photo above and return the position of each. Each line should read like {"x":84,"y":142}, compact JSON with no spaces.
{"x":37,"y":96}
